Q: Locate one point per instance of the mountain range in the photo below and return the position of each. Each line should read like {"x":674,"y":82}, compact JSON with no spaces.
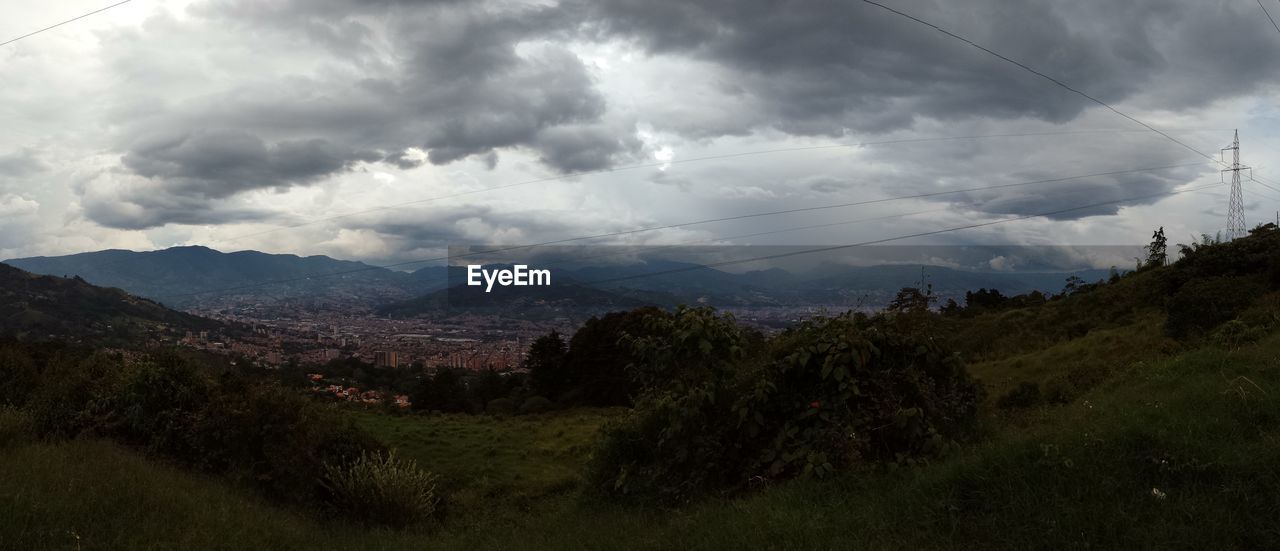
{"x":191,"y":277}
{"x":186,"y":277}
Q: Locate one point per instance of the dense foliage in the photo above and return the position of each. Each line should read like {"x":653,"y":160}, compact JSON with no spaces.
{"x":723,"y":410}
{"x":177,"y":408}
{"x":465,"y":391}
{"x":591,"y":369}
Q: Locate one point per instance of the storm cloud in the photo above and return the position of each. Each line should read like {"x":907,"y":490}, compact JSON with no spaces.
{"x":829,"y":67}
{"x":206,"y":119}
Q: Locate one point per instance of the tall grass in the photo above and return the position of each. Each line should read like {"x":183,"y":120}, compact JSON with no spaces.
{"x":380,"y":488}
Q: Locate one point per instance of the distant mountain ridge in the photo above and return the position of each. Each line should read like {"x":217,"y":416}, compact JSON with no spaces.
{"x":667,"y":283}
{"x":188,"y":277}
{"x":185,"y":276}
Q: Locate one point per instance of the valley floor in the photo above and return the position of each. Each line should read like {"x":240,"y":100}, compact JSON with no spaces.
{"x":1169,"y":451}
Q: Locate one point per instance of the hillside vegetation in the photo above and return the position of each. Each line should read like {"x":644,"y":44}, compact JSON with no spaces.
{"x":1143,"y":413}
{"x":43,"y":307}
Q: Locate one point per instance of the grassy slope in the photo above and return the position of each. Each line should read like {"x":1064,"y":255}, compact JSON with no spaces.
{"x":95,"y":495}
{"x":497,"y":471}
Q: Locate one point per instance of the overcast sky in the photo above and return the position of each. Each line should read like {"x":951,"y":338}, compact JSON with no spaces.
{"x":262,"y":124}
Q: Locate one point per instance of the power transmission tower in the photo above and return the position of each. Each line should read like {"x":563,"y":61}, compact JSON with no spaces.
{"x":1235,"y":208}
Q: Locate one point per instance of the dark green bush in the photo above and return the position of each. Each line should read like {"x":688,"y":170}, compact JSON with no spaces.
{"x":500,"y":406}
{"x":442,"y":391}
{"x":536,"y":404}
{"x":678,"y":441}
{"x":591,"y":369}
{"x":840,"y":391}
{"x":275,"y":438}
{"x":826,"y":395}
{"x":70,"y":397}
{"x":1203,"y":304}
{"x":155,"y":404}
{"x":1024,"y":395}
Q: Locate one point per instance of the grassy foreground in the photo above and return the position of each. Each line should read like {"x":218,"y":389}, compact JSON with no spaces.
{"x":1175,"y":451}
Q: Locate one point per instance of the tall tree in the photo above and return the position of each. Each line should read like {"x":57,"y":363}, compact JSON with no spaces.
{"x":545,"y":363}
{"x":1157,"y":251}
{"x":442,"y":391}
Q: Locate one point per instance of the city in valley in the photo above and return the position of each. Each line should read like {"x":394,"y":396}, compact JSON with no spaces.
{"x":311,"y":338}
{"x":472,"y":341}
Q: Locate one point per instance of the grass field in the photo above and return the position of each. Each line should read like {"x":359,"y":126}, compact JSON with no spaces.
{"x":496,"y":468}
{"x":1178,"y":451}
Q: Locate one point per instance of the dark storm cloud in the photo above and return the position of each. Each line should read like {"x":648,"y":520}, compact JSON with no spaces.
{"x":1041,"y":194}
{"x":139,"y":209}
{"x":458,"y":80}
{"x":582,"y":148}
{"x":438,"y":228}
{"x":220,"y":163}
{"x":375,"y":79}
{"x":824,"y":67}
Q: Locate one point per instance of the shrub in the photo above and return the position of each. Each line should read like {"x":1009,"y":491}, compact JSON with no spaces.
{"x":1203,"y":304}
{"x":380,"y":488}
{"x":155,"y":405}
{"x":1240,"y":332}
{"x":277,"y":439}
{"x":839,"y":391}
{"x":591,"y":369}
{"x":500,"y":406}
{"x":442,"y":391}
{"x":71,"y":394}
{"x":828,"y":394}
{"x":677,"y":441}
{"x":536,"y":404}
{"x":1024,"y":395}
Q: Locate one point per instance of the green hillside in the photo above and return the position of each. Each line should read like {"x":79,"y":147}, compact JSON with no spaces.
{"x":43,"y":307}
{"x":1139,"y":414}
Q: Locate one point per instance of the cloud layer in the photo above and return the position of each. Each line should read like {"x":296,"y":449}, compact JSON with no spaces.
{"x":225,"y":118}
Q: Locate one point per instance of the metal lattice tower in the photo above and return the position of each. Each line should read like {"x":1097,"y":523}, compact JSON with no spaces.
{"x":1235,"y":209}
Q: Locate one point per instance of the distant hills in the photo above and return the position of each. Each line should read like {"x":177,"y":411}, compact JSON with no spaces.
{"x":39,"y":307}
{"x":564,"y":296}
{"x":188,"y":277}
{"x":667,"y":283}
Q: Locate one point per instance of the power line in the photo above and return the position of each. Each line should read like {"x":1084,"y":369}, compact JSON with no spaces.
{"x":675,"y":162}
{"x":56,"y":25}
{"x":889,"y":239}
{"x":1273,"y":21}
{"x":1258,"y":181}
{"x":746,"y":235}
{"x":1042,"y":75}
{"x":678,"y":225}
